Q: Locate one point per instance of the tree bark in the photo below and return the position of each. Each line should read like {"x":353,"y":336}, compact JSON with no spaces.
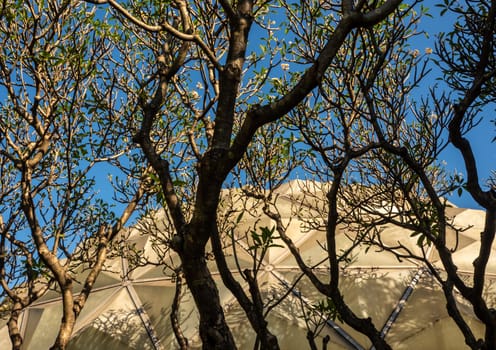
{"x":174,"y":318}
{"x":68,"y":318}
{"x":214,"y":331}
{"x":14,"y":333}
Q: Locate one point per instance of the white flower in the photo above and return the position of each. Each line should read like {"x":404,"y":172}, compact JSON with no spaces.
{"x":285,"y":66}
{"x":199,"y":86}
{"x":194,"y":94}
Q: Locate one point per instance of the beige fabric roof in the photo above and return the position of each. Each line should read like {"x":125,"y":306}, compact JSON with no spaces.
{"x":129,"y":308}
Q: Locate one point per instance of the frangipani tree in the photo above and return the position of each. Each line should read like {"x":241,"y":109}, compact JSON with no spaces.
{"x":54,"y":139}
{"x":246,"y":93}
{"x":170,"y":50}
{"x":382,"y":150}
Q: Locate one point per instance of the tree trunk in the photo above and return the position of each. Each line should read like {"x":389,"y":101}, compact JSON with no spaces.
{"x":14,"y":333}
{"x":214,"y":331}
{"x":68,"y":318}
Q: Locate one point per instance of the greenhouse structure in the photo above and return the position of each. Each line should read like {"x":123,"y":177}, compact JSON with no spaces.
{"x":131,"y":302}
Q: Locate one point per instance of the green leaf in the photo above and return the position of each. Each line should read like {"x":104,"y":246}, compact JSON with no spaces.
{"x":240,"y":216}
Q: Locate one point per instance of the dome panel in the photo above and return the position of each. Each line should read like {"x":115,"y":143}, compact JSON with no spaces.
{"x":362,"y":255}
{"x":5,"y":342}
{"x":442,"y":335}
{"x":400,"y":239}
{"x":285,"y":321}
{"x":424,"y":322}
{"x":157,"y":301}
{"x":472,"y":219}
{"x":118,"y":324}
{"x":97,"y":338}
{"x":149,"y":272}
{"x":453,"y":242}
{"x":41,"y":326}
{"x":361,"y":288}
{"x":310,"y":247}
{"x":111,"y":274}
{"x":96,"y":303}
{"x":241,"y":256}
{"x":464,"y":258}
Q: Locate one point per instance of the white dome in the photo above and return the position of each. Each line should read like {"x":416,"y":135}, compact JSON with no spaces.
{"x":129,"y":308}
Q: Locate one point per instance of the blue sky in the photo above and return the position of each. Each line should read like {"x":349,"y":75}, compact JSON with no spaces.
{"x":481,"y":136}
